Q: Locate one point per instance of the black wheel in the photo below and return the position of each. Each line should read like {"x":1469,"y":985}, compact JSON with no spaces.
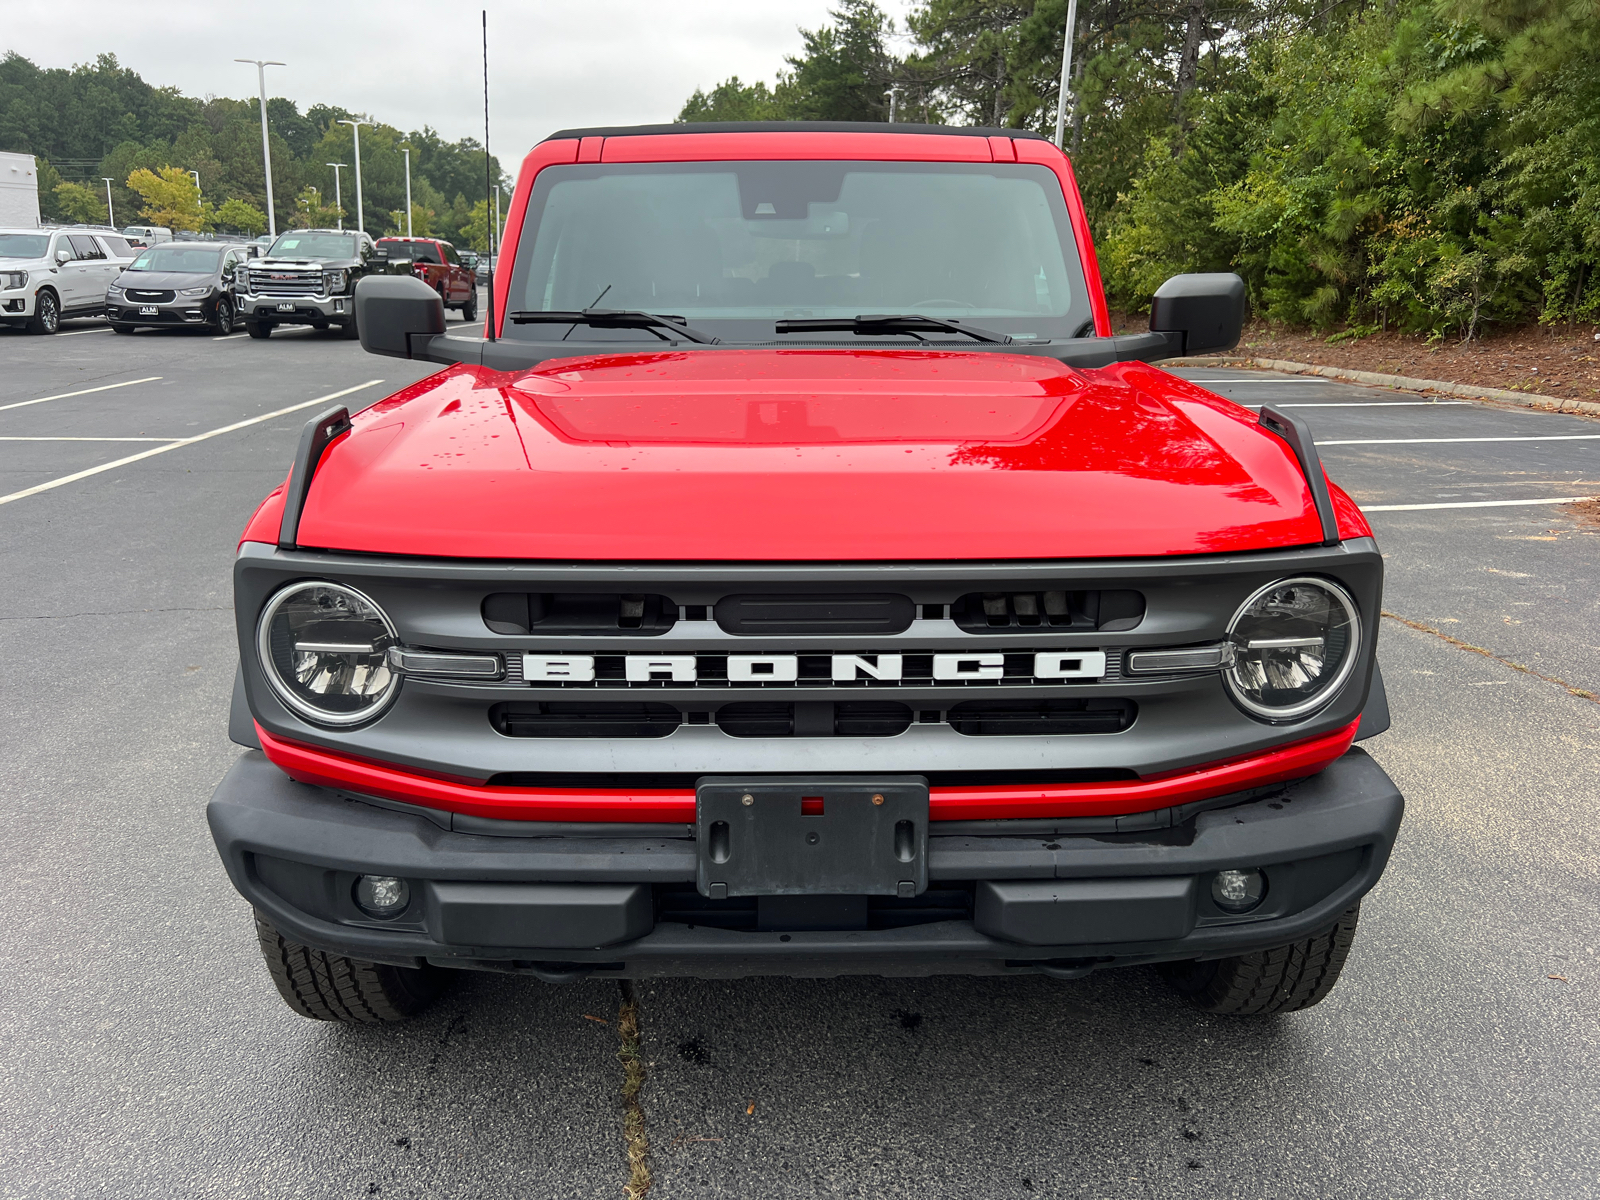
{"x":224,"y":317}
{"x":257,"y":329}
{"x":469,"y":310}
{"x":329,"y":987}
{"x":121,"y":327}
{"x":46,"y":314}
{"x":348,"y":330}
{"x":1284,"y":979}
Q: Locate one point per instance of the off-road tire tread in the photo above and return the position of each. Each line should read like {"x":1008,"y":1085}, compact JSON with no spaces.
{"x":330,"y":987}
{"x":1283,"y":979}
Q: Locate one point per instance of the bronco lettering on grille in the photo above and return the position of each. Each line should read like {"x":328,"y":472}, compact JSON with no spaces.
{"x":870,"y":669}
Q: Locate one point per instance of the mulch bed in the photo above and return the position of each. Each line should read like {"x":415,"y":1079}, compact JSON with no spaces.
{"x":1559,"y":360}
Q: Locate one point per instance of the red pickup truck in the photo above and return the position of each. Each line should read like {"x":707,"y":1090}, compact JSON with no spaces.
{"x":438,"y":265}
{"x":799,"y":578}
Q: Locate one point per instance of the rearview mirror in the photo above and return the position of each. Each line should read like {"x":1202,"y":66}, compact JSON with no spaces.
{"x":393,"y":309}
{"x":1207,"y":310}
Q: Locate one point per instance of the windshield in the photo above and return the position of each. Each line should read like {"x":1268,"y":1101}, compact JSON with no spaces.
{"x":23,"y":245}
{"x":314,"y":245}
{"x":754,"y":242}
{"x":182,"y":260}
{"x":399,"y":248}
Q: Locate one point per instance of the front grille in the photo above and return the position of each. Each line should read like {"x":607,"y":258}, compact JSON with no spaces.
{"x":799,"y":616}
{"x":597,"y":613}
{"x":285,"y":283}
{"x":566,"y":719}
{"x":849,"y":718}
{"x":1007,"y":612}
{"x":1040,"y":718}
{"x":141,"y":297}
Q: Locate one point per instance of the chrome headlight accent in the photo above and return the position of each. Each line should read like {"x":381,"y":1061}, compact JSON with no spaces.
{"x":324,"y":648}
{"x":1295,"y":643}
{"x":427,"y":662}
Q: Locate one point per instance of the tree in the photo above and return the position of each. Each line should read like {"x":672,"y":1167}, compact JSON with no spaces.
{"x":170,"y":198}
{"x":79,"y":203}
{"x":241,"y":216}
{"x":734,"y":101}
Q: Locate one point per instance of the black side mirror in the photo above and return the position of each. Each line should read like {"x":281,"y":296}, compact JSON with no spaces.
{"x":391,"y":310}
{"x":1207,"y":310}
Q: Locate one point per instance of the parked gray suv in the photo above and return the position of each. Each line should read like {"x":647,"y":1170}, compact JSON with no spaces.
{"x":177,"y":283}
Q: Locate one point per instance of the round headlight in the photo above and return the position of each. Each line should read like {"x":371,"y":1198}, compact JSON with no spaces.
{"x":1294,"y":644}
{"x":325,"y":650}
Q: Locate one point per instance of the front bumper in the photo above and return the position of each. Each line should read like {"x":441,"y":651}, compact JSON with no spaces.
{"x":300,"y":310}
{"x":565,"y":901}
{"x":185,"y":311}
{"x":16,"y":305}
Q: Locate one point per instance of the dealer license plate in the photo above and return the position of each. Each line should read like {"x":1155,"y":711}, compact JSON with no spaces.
{"x":812,"y":836}
{"x":286,"y":307}
{"x":148,"y":310}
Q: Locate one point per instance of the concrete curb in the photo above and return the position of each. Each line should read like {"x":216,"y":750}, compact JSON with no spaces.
{"x":1404,"y":383}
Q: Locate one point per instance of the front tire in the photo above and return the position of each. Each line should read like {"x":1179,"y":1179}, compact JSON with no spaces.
{"x":469,"y":310}
{"x":1284,"y":979}
{"x":46,"y":314}
{"x":257,"y":329}
{"x":330,"y":987}
{"x":224,"y":318}
{"x":121,"y":327}
{"x":348,"y":330}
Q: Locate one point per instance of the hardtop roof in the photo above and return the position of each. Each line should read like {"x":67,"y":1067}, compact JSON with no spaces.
{"x":794,"y":127}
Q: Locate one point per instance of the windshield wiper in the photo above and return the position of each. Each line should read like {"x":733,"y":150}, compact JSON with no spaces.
{"x":618,"y":318}
{"x":911,"y":323}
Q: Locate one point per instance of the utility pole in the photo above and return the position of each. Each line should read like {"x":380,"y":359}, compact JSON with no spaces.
{"x":406,"y":150}
{"x":111,"y":215}
{"x":355,"y":127}
{"x":338,"y":196}
{"x":1066,"y":72}
{"x":266,"y":147}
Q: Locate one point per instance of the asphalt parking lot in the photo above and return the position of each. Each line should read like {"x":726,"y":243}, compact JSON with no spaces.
{"x":146,"y":1054}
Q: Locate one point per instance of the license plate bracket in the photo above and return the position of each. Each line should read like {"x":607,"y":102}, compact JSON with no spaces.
{"x":812,"y":836}
{"x":148,"y":310}
{"x":286,"y":306}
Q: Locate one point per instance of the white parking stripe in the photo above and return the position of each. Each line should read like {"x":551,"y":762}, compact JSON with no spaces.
{"x":1366,"y":508}
{"x":227,"y":337}
{"x":188,"y":441}
{"x":81,"y":332}
{"x":88,"y":439}
{"x":84,"y":392}
{"x":1553,"y":437}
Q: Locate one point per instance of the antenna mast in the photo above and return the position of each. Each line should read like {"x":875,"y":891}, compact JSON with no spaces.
{"x":488,"y":173}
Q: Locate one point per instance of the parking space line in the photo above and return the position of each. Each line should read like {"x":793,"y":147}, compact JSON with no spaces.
{"x":88,"y":439}
{"x":65,"y":395}
{"x":81,"y":332}
{"x":1366,"y":508}
{"x":227,"y":337}
{"x":188,"y":441}
{"x":1552,"y":437}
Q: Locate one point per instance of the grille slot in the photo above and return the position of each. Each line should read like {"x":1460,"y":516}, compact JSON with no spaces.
{"x":143,"y":297}
{"x":796,"y":616}
{"x":594,"y":613}
{"x":847,"y":718}
{"x":583,"y":719}
{"x":1040,"y":718}
{"x":1007,"y":612}
{"x":289,"y":283}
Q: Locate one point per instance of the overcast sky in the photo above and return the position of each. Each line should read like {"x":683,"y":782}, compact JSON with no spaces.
{"x":553,"y":64}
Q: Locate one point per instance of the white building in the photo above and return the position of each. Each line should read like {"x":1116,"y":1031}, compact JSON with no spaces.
{"x":19,"y":191}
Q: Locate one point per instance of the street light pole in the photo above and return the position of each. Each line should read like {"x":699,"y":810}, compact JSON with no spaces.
{"x":355,"y":128}
{"x":894,"y":95}
{"x":111,"y":213}
{"x":1066,"y":72}
{"x":406,"y":150}
{"x":266,"y":147}
{"x":338,"y":196}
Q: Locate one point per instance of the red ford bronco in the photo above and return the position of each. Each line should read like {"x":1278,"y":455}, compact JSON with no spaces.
{"x":798,"y":577}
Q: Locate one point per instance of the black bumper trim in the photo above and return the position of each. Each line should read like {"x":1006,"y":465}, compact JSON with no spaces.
{"x":1349,"y":815}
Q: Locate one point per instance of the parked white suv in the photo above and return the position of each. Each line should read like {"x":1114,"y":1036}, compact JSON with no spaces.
{"x":48,"y":274}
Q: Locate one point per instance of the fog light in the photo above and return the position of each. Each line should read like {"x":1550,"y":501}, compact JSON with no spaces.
{"x":1237,"y":891}
{"x":382,"y":895}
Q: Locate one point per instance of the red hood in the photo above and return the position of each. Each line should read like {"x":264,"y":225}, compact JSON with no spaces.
{"x":807,"y":455}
